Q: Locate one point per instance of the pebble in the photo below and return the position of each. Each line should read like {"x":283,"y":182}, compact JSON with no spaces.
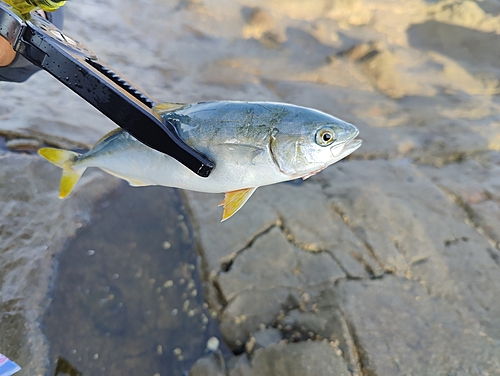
{"x":213,"y":344}
{"x":178,"y":353}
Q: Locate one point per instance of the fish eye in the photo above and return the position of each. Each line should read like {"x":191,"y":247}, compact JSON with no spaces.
{"x":325,"y":137}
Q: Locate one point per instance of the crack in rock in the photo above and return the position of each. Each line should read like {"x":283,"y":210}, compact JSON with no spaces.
{"x":363,"y":262}
{"x":310,"y":248}
{"x":228,"y":262}
{"x":471,"y":221}
{"x":356,"y":350}
{"x":356,"y":231}
{"x":219,"y":294}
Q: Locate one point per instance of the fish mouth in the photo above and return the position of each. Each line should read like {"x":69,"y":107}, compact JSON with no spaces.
{"x":343,"y":150}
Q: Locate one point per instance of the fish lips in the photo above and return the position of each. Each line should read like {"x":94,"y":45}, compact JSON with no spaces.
{"x":343,"y":150}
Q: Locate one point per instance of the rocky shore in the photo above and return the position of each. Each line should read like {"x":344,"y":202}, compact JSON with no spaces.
{"x":387,"y":263}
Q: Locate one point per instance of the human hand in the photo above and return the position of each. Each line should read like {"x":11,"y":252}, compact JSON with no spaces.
{"x":7,"y":54}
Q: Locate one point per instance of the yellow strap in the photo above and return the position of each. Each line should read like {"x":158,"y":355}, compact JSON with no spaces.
{"x":26,"y":6}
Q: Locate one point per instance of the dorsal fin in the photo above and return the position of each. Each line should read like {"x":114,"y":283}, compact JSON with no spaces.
{"x":162,"y":108}
{"x":109,"y":134}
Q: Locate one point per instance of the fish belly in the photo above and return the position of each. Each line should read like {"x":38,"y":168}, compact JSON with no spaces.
{"x":140,"y":165}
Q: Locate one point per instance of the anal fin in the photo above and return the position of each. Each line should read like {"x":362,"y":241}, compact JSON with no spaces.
{"x":234,"y":201}
{"x":132,"y":182}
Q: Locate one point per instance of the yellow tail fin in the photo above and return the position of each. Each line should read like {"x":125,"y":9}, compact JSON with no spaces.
{"x":63,"y":159}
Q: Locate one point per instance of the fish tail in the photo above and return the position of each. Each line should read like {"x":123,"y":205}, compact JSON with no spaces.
{"x":65,"y":160}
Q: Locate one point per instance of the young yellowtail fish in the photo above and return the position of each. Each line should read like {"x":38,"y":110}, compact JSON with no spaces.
{"x":252,"y":144}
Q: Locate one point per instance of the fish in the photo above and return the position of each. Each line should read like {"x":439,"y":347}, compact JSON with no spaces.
{"x":252,"y":144}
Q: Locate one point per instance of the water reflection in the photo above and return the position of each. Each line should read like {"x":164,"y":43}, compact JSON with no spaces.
{"x":127,"y":299}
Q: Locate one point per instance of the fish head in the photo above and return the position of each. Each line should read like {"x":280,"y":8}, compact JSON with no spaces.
{"x":313,"y":146}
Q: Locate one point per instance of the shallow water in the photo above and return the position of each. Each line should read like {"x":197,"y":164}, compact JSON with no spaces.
{"x":127,"y":298}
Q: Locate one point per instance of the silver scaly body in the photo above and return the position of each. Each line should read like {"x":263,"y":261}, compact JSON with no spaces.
{"x":235,"y":135}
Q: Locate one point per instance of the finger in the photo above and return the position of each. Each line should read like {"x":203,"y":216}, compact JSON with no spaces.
{"x":7,"y":54}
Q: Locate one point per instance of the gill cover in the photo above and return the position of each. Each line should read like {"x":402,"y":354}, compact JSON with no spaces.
{"x":296,"y":154}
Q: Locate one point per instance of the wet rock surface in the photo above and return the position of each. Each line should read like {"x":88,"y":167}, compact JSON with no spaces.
{"x":29,"y":211}
{"x":128,"y":297}
{"x":384,"y":264}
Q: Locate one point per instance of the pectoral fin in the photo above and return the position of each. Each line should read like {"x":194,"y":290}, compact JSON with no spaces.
{"x":248,"y":153}
{"x":234,"y":201}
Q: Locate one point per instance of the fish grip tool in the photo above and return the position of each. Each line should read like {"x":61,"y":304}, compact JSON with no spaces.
{"x":79,"y":69}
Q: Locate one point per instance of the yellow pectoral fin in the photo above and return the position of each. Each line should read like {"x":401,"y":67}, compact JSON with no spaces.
{"x":234,"y":201}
